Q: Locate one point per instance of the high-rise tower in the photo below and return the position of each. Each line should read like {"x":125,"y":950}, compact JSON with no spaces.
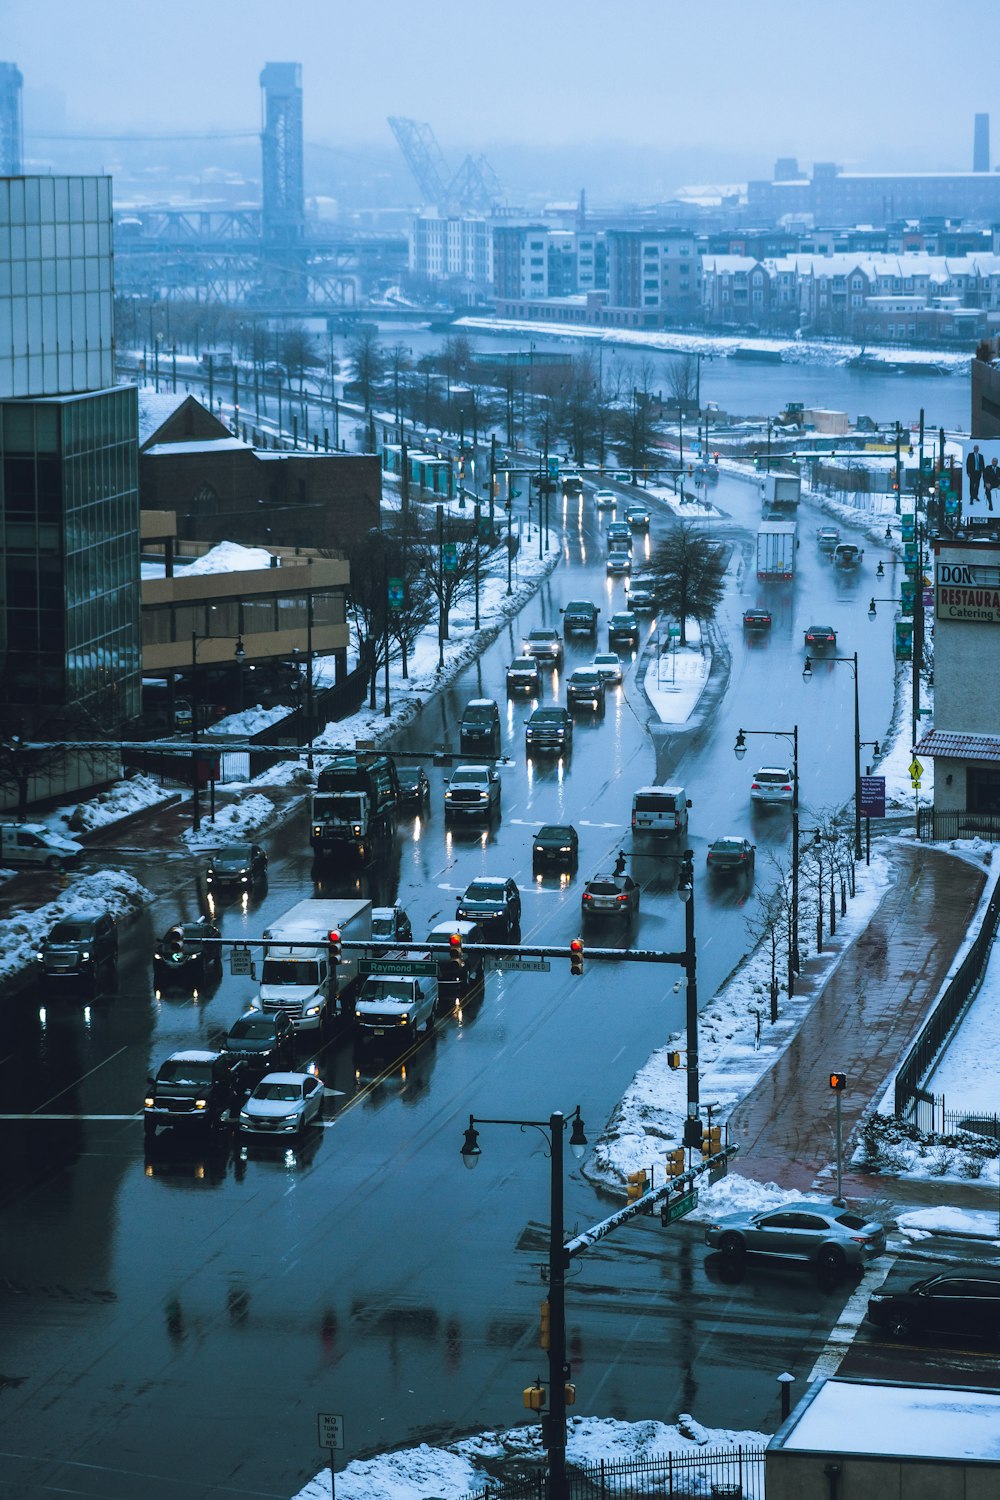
{"x":981,"y":144}
{"x":284,"y":206}
{"x":11,"y":131}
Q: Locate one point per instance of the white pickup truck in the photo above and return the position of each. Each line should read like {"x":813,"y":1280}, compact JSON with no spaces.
{"x":395,"y":1006}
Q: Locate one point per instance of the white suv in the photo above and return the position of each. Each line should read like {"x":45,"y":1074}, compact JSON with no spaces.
{"x":772,"y":784}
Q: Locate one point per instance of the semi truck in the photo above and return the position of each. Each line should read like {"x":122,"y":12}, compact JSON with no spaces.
{"x":354,"y":805}
{"x":298,"y":975}
{"x":781,"y":494}
{"x":776,"y":544}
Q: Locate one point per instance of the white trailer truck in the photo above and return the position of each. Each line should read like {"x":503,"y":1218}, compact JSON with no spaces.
{"x":297,"y":976}
{"x":776,"y":543}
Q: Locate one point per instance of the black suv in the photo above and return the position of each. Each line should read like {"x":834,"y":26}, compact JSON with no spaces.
{"x":623,"y":630}
{"x":549,"y":729}
{"x":81,"y":950}
{"x":580,"y":618}
{"x":194,"y":1090}
{"x":262,"y":1043}
{"x":479,"y":733}
{"x":183,"y":959}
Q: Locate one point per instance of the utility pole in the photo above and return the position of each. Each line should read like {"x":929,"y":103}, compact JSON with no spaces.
{"x":899,"y":470}
{"x":440,"y":520}
{"x":493,"y":477}
{"x":918,"y":594}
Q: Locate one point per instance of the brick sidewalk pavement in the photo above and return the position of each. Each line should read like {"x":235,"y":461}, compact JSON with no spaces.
{"x":861,"y":1024}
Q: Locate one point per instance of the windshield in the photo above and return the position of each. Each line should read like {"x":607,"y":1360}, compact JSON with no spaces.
{"x":485,"y":890}
{"x":553,"y":831}
{"x":290,"y":971}
{"x":287,"y":1093}
{"x":523,"y":664}
{"x":72,"y":932}
{"x":193,"y":1073}
{"x":478,"y":715}
{"x":586,"y":678}
{"x":409,"y":775}
{"x":340,"y":805}
{"x":253,"y":1029}
{"x":546,"y":716}
{"x":234,"y":854}
{"x":389,"y":989}
{"x":622,"y":620}
{"x":382,"y":926}
{"x":654,"y":802}
{"x":774,"y":778}
{"x":541,"y":636}
{"x":602,"y":888}
{"x":472,"y":777}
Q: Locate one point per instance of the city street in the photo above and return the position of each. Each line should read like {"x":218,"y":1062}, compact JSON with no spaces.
{"x":174,"y":1319}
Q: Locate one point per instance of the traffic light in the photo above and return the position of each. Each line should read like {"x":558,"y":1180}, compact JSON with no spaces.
{"x":576,"y":956}
{"x":544,"y":1325}
{"x":673,"y":1060}
{"x":675,"y":1161}
{"x":569,"y":1393}
{"x":637,"y":1184}
{"x":455,"y":949}
{"x":534,"y":1396}
{"x":756,"y":458}
{"x":711,"y":1141}
{"x":173,"y":943}
{"x":336,"y":947}
{"x":838,"y":1081}
{"x":715,"y":457}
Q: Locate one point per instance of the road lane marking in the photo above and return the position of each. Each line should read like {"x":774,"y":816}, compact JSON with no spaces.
{"x":79,"y":1080}
{"x":36,"y":1116}
{"x":845,"y":1330}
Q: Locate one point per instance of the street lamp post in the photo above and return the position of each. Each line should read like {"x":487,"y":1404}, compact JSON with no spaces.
{"x":240,"y":654}
{"x":740,"y":750}
{"x":685,"y":892}
{"x":554,"y":1426}
{"x":852,"y":662}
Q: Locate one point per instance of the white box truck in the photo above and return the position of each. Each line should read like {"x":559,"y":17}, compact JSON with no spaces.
{"x":297,"y":976}
{"x":776,"y":543}
{"x":781,"y":493}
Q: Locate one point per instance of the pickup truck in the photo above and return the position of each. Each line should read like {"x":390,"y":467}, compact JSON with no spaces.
{"x":396,"y":1005}
{"x":472,"y":792}
{"x":196,"y":1090}
{"x":580,"y":618}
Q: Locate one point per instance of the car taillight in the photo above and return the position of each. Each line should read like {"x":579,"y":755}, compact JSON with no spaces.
{"x":586,"y":895}
{"x":710,"y":856}
{"x":633,"y":820}
{"x":786,"y":787}
{"x":621,"y":898}
{"x":755,"y":786}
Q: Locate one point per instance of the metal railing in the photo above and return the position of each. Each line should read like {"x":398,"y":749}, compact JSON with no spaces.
{"x":737,"y":1473}
{"x":958,"y":825}
{"x":913,"y":1101}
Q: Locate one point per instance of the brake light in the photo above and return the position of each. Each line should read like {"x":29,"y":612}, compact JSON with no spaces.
{"x":755,"y":786}
{"x":787,"y":787}
{"x":586,"y":895}
{"x":621,"y":898}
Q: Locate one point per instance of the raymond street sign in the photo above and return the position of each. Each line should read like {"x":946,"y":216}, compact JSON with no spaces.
{"x":331,"y":1429}
{"x":677,"y":1208}
{"x":873,"y":796}
{"x":525,"y":965}
{"x":396,"y":966}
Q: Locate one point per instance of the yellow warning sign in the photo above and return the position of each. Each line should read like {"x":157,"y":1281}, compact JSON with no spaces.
{"x":916,"y":769}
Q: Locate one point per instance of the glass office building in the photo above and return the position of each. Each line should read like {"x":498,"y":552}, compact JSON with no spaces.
{"x":69,"y":554}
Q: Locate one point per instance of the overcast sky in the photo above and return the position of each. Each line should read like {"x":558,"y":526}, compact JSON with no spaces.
{"x":861,"y":82}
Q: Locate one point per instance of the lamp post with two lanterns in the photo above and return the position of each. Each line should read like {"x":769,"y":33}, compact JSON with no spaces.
{"x":852,"y":662}
{"x":554,"y":1313}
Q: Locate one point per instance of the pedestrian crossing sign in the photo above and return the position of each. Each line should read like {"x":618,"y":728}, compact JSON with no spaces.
{"x":916,"y":769}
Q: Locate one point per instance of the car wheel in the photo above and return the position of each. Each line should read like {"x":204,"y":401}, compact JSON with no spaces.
{"x":54,"y":863}
{"x":732,"y":1244}
{"x":899,"y":1325}
{"x":830,"y":1258}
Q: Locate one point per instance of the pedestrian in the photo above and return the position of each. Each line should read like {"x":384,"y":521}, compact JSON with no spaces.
{"x":991,"y":480}
{"x":975,"y":466}
{"x":620,"y":863}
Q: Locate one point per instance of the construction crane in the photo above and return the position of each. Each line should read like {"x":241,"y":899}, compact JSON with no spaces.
{"x":475,"y":187}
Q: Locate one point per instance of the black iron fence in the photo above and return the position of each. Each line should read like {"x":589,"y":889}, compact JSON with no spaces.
{"x":912,"y":1100}
{"x":737,"y":1473}
{"x":957,"y":825}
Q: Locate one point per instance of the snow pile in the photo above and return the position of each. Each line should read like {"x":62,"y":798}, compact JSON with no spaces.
{"x":966,"y":1076}
{"x":225,"y":557}
{"x":917,"y":1223}
{"x":233,"y":824}
{"x":895,"y":1147}
{"x":452,"y":1472}
{"x":737,"y":1044}
{"x":105,"y":891}
{"x":133,"y":795}
{"x":691,"y":507}
{"x":251,"y":721}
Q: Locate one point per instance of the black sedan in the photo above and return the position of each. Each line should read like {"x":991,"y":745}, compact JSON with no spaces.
{"x":414,"y":787}
{"x":186,"y":957}
{"x":821,"y":638}
{"x":756,"y":619}
{"x":963,"y":1302}
{"x":556,"y":846}
{"x":241,"y":865}
{"x":731,"y":855}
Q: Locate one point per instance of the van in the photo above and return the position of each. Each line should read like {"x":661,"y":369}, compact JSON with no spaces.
{"x":661,"y":811}
{"x":34,"y":844}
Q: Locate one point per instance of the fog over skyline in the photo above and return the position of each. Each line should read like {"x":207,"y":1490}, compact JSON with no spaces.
{"x":719,"y":90}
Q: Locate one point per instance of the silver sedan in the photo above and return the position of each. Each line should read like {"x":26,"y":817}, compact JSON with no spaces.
{"x":805,"y":1229}
{"x":282,"y":1104}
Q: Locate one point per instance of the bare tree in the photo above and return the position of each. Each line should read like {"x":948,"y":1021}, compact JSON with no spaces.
{"x":297,"y":352}
{"x":682,"y":380}
{"x":686,"y":573}
{"x":451,"y":586}
{"x":368,"y":358}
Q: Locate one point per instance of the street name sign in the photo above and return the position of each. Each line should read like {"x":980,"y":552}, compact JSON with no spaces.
{"x":396,"y":966}
{"x":677,"y":1208}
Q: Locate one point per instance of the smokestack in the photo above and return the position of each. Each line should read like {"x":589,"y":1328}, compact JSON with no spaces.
{"x":981,"y":144}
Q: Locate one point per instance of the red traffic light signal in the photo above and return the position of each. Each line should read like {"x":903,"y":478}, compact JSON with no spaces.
{"x":336,"y":947}
{"x":455,"y":949}
{"x":838,"y":1081}
{"x":576,"y":956}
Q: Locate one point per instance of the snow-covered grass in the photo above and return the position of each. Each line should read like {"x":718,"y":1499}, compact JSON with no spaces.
{"x":691,"y":507}
{"x":134,"y":794}
{"x":675,"y":679}
{"x":966,"y":1075}
{"x":106,"y":890}
{"x":894,"y":1148}
{"x":250,"y":721}
{"x":921,"y":1223}
{"x":458,"y":1469}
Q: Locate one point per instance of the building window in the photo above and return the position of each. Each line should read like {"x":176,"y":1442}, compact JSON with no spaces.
{"x":982,"y":789}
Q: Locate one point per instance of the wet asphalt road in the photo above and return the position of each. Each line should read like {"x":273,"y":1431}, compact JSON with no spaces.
{"x":172,"y":1321}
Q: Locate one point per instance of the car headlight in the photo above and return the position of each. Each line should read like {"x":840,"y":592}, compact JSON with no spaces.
{"x":149,"y":1102}
{"x":85,"y":955}
{"x":539,"y":848}
{"x":290,"y":1120}
{"x":317,"y":830}
{"x":244,"y":1117}
{"x":41,"y":955}
{"x":201,"y":1104}
{"x":313,"y":1010}
{"x":565,"y":849}
{"x":357,"y":829}
{"x":404,"y":1020}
